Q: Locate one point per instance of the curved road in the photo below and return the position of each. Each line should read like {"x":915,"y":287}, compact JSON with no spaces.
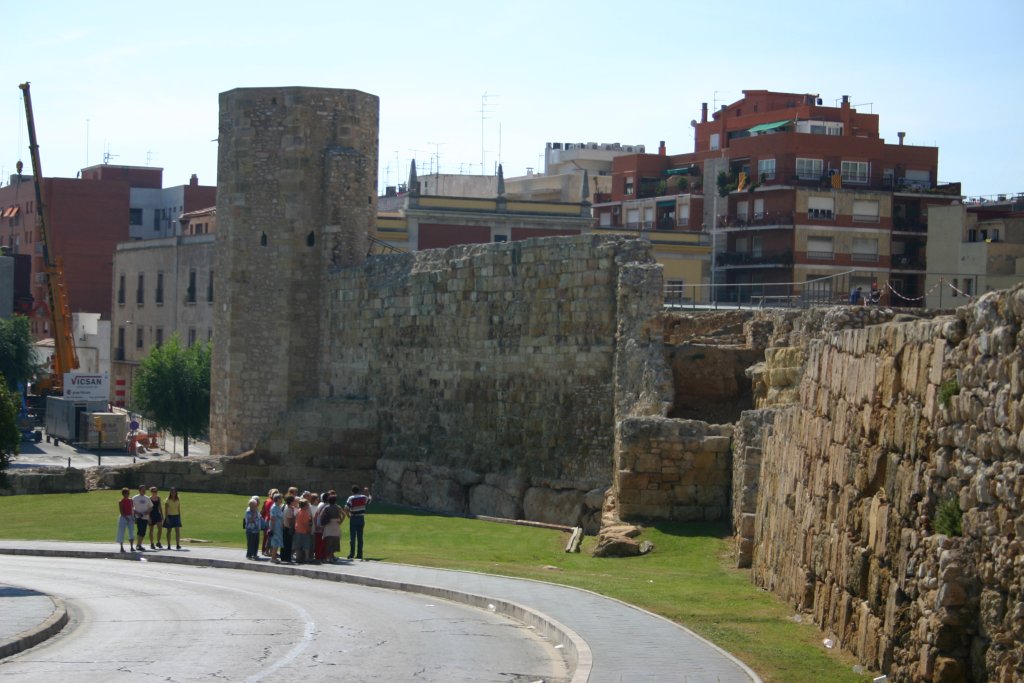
{"x":134,"y":621}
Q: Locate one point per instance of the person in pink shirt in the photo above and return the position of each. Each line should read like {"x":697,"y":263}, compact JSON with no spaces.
{"x":303,"y":539}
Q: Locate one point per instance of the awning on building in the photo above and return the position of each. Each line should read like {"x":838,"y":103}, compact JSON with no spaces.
{"x":10,"y":212}
{"x":666,"y":202}
{"x":764,"y":127}
{"x":683,"y":170}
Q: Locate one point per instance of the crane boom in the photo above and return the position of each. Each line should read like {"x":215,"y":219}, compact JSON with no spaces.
{"x":65,"y":359}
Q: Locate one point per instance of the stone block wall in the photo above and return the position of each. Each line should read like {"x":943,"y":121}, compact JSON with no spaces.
{"x":495,"y":371}
{"x":852,"y":476}
{"x":673,"y":469}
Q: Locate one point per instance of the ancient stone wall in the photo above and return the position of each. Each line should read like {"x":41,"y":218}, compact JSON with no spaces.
{"x":297,"y":181}
{"x":490,"y":369}
{"x":672,"y":469}
{"x":892,"y":421}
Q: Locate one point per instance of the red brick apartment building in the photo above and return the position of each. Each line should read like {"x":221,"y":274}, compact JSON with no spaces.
{"x":791,"y":191}
{"x":88,"y":216}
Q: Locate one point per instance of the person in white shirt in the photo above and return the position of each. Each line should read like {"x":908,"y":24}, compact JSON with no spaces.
{"x":141,"y":505}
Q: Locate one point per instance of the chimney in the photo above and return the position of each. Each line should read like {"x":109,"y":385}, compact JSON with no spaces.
{"x":703,"y":112}
{"x":193,"y":181}
{"x":901,"y":135}
{"x":661,"y":149}
{"x":390,"y":191}
{"x":846,"y":101}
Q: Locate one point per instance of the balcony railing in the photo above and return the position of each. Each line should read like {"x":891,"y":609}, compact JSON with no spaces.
{"x":864,"y":258}
{"x":740,"y":259}
{"x":789,"y":175}
{"x":759,"y":219}
{"x":901,"y":262}
{"x":909,"y":224}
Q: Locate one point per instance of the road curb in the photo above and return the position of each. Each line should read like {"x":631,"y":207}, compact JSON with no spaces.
{"x":576,"y":650}
{"x":31,"y":637}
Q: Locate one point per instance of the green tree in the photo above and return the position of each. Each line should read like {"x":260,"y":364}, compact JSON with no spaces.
{"x":17,"y":362}
{"x":172,"y":388}
{"x":10,"y":437}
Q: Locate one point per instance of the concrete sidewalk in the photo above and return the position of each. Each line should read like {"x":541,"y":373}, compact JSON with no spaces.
{"x":29,"y":618}
{"x":605,"y":641}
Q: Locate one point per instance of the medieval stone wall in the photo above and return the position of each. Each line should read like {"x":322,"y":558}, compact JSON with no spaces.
{"x":490,"y":369}
{"x":852,"y":476}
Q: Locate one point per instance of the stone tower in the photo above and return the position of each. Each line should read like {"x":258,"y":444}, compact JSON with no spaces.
{"x":296,"y":196}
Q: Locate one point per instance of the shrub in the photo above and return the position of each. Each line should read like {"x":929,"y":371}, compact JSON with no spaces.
{"x":948,"y":390}
{"x":948,"y":517}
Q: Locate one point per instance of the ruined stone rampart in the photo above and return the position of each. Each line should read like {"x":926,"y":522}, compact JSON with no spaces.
{"x":489,"y":368}
{"x":892,"y":421}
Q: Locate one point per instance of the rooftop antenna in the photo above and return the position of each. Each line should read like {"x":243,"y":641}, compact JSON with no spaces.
{"x":149,"y":156}
{"x":714,"y":100}
{"x":107,"y":156}
{"x":484,"y":111}
{"x":87,"y":143}
{"x":437,"y":155}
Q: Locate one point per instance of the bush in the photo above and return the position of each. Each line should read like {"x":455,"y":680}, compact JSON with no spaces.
{"x":948,"y":517}
{"x":948,"y":390}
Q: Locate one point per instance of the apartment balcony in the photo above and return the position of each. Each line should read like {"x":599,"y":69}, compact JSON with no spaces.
{"x":902,"y":262}
{"x":901,"y":224}
{"x":829,"y":178}
{"x":767,"y":220}
{"x":771,"y":259}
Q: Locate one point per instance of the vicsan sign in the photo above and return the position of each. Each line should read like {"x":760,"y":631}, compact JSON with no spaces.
{"x":87,"y":386}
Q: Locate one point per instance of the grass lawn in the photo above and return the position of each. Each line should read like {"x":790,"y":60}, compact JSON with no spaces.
{"x":687,"y":578}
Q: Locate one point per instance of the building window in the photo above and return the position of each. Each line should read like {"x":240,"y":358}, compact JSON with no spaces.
{"x":820,"y":208}
{"x":190,"y":293}
{"x":156,"y":220}
{"x":684,"y":215}
{"x":191,"y":337}
{"x":756,"y":246}
{"x":134,"y":217}
{"x":140,"y":290}
{"x":209,"y":334}
{"x":968,"y":286}
{"x":138,"y":337}
{"x":628,"y":188}
{"x":865,"y":211}
{"x":633,"y":218}
{"x":715,"y":141}
{"x":159,"y":288}
{"x":119,"y":351}
{"x":159,"y":341}
{"x":809,"y":169}
{"x":865,"y":250}
{"x":956,"y":286}
{"x":855,"y":171}
{"x":820,"y":248}
{"x":209,"y":288}
{"x":120,"y":289}
{"x":765,"y":169}
{"x":887,"y":177}
{"x":497,"y":238}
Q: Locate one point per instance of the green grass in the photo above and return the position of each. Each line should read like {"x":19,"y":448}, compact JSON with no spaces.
{"x":687,"y":578}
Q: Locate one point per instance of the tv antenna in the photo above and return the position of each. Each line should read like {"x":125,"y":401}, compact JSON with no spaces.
{"x":107,"y":156}
{"x":484,"y":111}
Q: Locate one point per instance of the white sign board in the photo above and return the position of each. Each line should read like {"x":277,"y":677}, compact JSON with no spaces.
{"x":87,"y":386}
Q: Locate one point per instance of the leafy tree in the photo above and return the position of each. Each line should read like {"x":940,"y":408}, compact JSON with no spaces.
{"x":17,"y":362}
{"x":172,"y":387}
{"x":10,"y":437}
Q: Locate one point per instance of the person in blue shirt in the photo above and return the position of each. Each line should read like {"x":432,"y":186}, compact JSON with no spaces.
{"x":355,"y":506}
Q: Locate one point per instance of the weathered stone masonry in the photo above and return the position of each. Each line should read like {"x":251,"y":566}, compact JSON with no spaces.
{"x":852,"y":475}
{"x":296,"y":195}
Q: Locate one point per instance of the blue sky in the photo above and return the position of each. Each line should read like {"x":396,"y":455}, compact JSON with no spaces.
{"x":140,"y":81}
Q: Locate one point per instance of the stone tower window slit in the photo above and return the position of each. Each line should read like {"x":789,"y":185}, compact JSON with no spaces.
{"x":263,"y":239}
{"x":310,"y":239}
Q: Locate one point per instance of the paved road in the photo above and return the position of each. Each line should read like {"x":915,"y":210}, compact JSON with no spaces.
{"x":44,"y":454}
{"x":606,"y":640}
{"x":134,"y":621}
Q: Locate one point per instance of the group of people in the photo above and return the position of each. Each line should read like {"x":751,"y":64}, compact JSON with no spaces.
{"x":873,"y":298}
{"x":146,"y":511}
{"x":305,"y":528}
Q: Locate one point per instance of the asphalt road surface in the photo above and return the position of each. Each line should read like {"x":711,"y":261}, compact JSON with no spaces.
{"x":140,"y":621}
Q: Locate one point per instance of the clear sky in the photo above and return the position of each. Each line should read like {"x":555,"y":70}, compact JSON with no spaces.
{"x":140,"y":80}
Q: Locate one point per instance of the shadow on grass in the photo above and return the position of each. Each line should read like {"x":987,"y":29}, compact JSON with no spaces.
{"x":719,"y":530}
